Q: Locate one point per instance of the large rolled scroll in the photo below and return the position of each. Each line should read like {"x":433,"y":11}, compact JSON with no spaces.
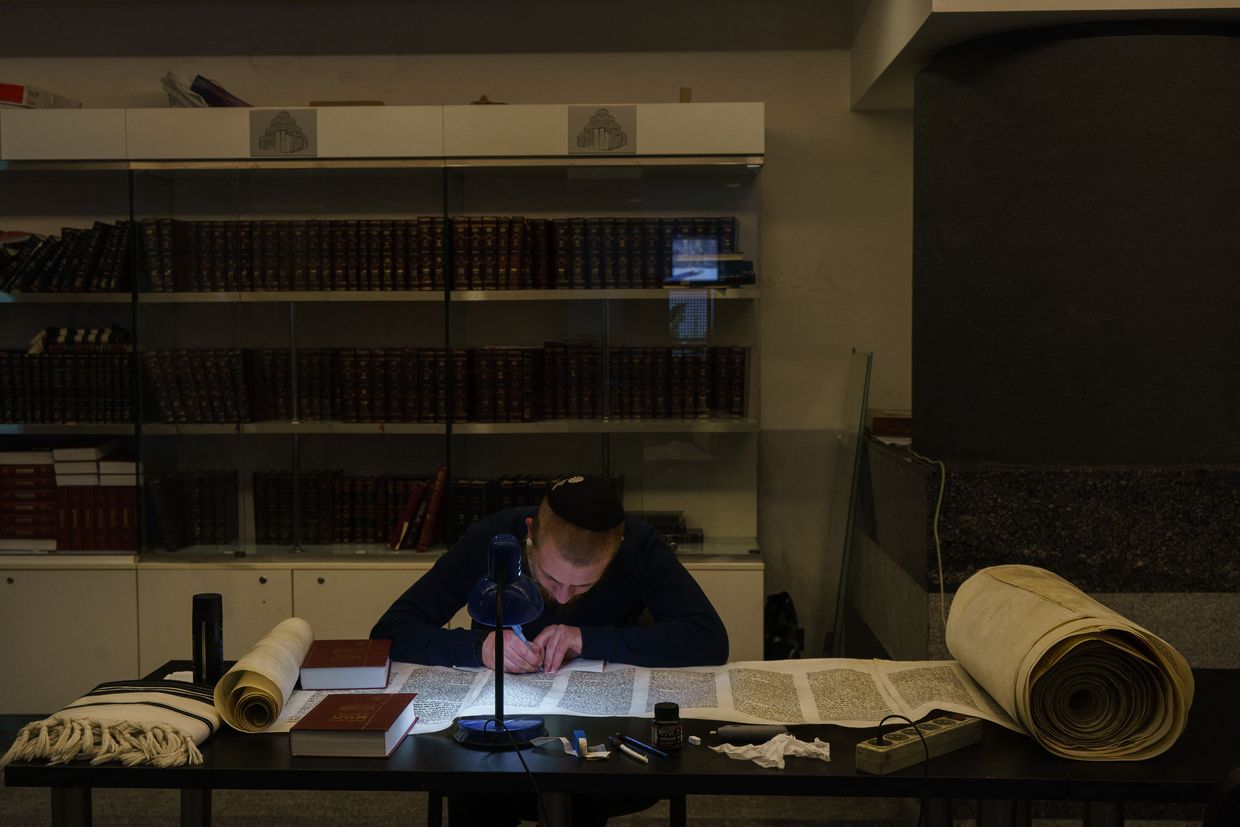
{"x":251,"y":695}
{"x":1084,"y":681}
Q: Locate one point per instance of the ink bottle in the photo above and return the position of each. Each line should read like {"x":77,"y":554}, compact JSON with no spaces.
{"x":666,"y":731}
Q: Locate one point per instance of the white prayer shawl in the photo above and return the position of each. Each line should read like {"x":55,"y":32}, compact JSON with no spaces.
{"x":134,"y":722}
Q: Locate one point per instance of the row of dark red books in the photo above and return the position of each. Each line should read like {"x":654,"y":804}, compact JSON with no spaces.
{"x":560,"y":380}
{"x":36,"y":513}
{"x":66,"y":387}
{"x":405,"y":511}
{"x":676,"y":383}
{"x":419,"y":253}
{"x":401,"y":511}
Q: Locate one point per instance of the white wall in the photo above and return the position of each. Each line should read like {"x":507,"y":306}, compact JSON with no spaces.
{"x":837,"y":224}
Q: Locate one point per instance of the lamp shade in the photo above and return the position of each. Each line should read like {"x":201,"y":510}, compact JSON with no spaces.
{"x":521,"y":599}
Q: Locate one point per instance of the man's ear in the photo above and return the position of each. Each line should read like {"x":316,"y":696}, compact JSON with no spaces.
{"x":529,"y":530}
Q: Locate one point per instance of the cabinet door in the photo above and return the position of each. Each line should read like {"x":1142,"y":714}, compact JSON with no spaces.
{"x":737,"y":595}
{"x":345,"y":604}
{"x":66,"y":632}
{"x":254,"y":601}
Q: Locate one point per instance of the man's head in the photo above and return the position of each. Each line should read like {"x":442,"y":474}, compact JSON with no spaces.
{"x":573,"y":537}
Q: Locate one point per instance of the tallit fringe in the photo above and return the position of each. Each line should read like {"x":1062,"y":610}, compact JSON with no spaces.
{"x":61,"y":740}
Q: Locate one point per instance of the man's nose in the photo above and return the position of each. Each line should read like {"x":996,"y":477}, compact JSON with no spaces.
{"x":562,"y":593}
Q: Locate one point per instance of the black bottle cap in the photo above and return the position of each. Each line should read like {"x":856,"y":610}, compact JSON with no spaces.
{"x":667,"y":711}
{"x":208,"y":608}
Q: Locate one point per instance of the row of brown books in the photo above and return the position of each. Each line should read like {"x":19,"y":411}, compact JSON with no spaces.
{"x":91,"y":260}
{"x":189,"y":508}
{"x":560,"y":380}
{"x":57,"y":387}
{"x":485,"y":253}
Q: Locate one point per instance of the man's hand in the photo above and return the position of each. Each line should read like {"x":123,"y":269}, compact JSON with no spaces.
{"x":559,"y":644}
{"x":519,"y":656}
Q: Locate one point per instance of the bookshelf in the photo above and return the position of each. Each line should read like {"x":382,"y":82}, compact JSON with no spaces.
{"x":295,"y":331}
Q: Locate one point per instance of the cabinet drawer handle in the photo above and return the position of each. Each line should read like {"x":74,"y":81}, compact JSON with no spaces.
{"x":10,"y":580}
{"x":262,"y":580}
{"x":321,"y":581}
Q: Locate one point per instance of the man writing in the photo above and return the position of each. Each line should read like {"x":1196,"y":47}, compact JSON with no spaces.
{"x":612,"y":591}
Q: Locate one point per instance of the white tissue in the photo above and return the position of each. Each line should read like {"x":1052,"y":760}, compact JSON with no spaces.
{"x":771,"y":754}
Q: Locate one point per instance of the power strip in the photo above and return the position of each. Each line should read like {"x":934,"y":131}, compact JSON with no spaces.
{"x":903,"y":748}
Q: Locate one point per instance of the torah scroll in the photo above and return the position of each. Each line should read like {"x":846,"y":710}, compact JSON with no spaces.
{"x":1083,"y":680}
{"x":251,"y":695}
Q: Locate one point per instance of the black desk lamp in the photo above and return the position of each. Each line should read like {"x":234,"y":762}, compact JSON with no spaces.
{"x":504,"y":597}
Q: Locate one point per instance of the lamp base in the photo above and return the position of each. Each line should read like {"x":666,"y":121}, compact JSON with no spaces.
{"x":485,"y":733}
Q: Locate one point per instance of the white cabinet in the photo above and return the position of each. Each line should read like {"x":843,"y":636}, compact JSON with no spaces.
{"x":345,"y":603}
{"x":66,"y":630}
{"x":735,"y":589}
{"x":77,"y":622}
{"x":255,"y":598}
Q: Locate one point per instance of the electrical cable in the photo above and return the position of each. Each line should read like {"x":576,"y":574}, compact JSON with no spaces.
{"x":542,"y":805}
{"x":925,"y":773}
{"x":938,"y":546}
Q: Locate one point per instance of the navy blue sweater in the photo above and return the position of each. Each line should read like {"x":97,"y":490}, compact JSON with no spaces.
{"x":644,"y":582}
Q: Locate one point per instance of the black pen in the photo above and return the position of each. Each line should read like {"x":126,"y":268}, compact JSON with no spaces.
{"x":652,"y":750}
{"x":627,"y":750}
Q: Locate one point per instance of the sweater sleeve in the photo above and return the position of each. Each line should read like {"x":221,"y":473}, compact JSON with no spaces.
{"x":415,"y":622}
{"x":687,"y":631}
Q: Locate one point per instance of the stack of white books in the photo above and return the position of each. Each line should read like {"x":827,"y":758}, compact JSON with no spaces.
{"x":83,"y":466}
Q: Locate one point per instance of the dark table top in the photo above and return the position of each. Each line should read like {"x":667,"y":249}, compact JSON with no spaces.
{"x":1003,"y":765}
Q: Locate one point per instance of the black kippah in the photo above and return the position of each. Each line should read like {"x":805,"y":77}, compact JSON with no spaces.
{"x":586,"y":502}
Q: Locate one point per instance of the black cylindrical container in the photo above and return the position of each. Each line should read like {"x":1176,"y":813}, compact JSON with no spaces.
{"x":666,"y":731}
{"x":208,"y":638}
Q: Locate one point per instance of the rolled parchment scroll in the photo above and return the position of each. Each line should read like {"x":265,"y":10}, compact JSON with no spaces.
{"x":251,"y":694}
{"x":1084,"y":681}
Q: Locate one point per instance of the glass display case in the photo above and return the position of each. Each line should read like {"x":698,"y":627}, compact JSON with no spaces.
{"x":343,"y":353}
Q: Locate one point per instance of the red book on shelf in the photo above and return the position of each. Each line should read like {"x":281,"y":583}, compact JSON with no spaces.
{"x":434,"y":512}
{"x":346,"y":664}
{"x":363,"y":725}
{"x":401,"y":530}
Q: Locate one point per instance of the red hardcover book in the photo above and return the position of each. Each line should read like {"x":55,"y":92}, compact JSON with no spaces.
{"x":434,"y":509}
{"x":346,"y":664}
{"x":401,"y":530}
{"x":362,"y":725}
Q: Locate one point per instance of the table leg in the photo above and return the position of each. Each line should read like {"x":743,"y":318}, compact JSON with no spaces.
{"x":555,"y":810}
{"x":1003,"y":812}
{"x":677,"y":815}
{"x":71,"y":806}
{"x":195,"y":808}
{"x":938,"y":812}
{"x":434,"y":809}
{"x":1104,"y":814}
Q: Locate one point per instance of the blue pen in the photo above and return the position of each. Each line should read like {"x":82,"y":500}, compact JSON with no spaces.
{"x":640,"y":745}
{"x":520,"y":635}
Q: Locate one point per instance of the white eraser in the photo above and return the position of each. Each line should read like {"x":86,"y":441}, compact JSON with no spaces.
{"x":696,"y":740}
